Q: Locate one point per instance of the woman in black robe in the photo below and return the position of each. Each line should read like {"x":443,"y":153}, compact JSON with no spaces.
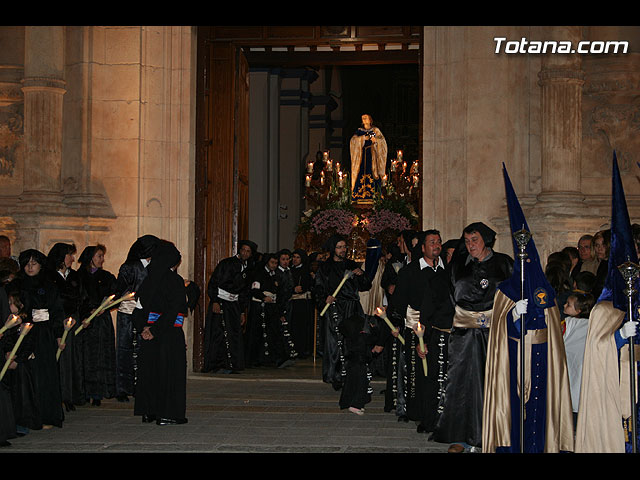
{"x":43,"y":308}
{"x":162,"y":363}
{"x":130,"y":276}
{"x":18,"y":381}
{"x":302,"y":307}
{"x":99,"y":347}
{"x":59,"y":271}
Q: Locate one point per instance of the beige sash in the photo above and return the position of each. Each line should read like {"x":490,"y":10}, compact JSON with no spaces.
{"x":468,"y":319}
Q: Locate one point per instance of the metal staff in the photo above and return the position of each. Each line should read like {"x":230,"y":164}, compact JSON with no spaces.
{"x":522,"y":238}
{"x":629,"y":271}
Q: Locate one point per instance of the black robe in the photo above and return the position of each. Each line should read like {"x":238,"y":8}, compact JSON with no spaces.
{"x":71,"y":363}
{"x":130,"y":276}
{"x":223,"y":338}
{"x":301,"y":322}
{"x":473,"y":286}
{"x":284,"y":302}
{"x":39,"y":293}
{"x":263,"y":342}
{"x":162,"y":381}
{"x":99,"y":347}
{"x":347,"y":304}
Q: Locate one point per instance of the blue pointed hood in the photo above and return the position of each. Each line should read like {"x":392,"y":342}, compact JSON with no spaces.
{"x":537,"y":289}
{"x":622,"y":245}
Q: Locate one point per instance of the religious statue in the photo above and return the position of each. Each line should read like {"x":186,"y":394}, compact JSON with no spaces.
{"x":368,"y":161}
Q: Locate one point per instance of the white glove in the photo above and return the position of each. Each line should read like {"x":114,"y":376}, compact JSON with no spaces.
{"x":628,"y":329}
{"x":519,"y":309}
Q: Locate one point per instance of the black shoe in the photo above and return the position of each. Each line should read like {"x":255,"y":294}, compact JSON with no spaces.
{"x":69,"y":407}
{"x":5,"y":444}
{"x":422,"y":429}
{"x":148,"y":418}
{"x":123,"y":397}
{"x":171,"y":421}
{"x":403,"y":418}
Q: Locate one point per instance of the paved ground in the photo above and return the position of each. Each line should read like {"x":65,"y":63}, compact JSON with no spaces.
{"x":258,"y":411}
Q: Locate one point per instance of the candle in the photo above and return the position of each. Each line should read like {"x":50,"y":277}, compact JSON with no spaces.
{"x":322,"y":178}
{"x":10,"y":323}
{"x":415,"y":180}
{"x":393,"y":166}
{"x":381,"y":313}
{"x":325,"y":156}
{"x":24,"y":329}
{"x":400,"y":155}
{"x":330,"y":166}
{"x":307,"y":181}
{"x":126,"y":296}
{"x":68,"y":324}
{"x":384,"y":180}
{"x":340,"y":178}
{"x":404,"y":167}
{"x":310,"y":167}
{"x":338,"y":166}
{"x":97,"y":311}
{"x":348,"y":274}
{"x":419,"y":329}
{"x":414,"y":167}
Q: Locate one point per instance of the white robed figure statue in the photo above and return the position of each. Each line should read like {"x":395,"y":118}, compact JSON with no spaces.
{"x":368,"y":161}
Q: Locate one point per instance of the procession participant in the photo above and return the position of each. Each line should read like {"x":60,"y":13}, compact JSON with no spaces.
{"x":130,"y":276}
{"x":302,"y":307}
{"x":99,"y":335}
{"x":263,"y":342}
{"x":43,"y":307}
{"x":540,"y":385}
{"x":59,"y":269}
{"x":347,"y":303}
{"x":605,"y":411}
{"x":228,"y":291}
{"x":283,"y":301}
{"x":161,"y":392}
{"x":476,"y":272}
{"x":423,"y":293}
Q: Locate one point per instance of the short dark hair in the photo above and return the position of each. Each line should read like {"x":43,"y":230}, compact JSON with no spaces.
{"x":584,"y":302}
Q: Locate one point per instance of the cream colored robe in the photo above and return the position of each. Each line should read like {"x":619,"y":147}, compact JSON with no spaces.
{"x":496,"y":417}
{"x":604,"y":394}
{"x":378,"y":155}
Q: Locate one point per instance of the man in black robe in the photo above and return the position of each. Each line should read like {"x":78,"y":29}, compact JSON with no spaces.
{"x":345,"y":305}
{"x":130,"y":276}
{"x":228,"y":292}
{"x":476,"y":271}
{"x":285,"y":296}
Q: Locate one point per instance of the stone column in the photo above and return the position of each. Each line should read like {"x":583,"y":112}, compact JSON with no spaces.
{"x":561,"y":79}
{"x":43,"y":87}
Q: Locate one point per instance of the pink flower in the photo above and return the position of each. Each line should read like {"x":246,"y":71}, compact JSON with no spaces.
{"x":385,"y":219}
{"x":340,"y":220}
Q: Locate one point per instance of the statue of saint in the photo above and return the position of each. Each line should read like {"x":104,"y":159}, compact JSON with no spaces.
{"x":368,"y":161}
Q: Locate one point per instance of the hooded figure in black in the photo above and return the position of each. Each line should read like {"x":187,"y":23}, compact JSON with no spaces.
{"x":99,"y":335}
{"x":130,"y":276}
{"x":228,"y":291}
{"x":345,"y":305}
{"x":72,"y":293}
{"x":475,"y":273}
{"x":43,"y":307}
{"x":162,"y":364}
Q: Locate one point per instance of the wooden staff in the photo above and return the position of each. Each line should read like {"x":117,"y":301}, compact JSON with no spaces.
{"x":24,"y":329}
{"x":347,"y":275}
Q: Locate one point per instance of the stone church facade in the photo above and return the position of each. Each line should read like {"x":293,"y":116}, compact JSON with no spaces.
{"x":98,"y":142}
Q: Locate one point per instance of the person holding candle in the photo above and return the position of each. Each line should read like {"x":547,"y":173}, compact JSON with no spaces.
{"x":337,"y":271}
{"x":59,"y":269}
{"x":368,"y":149}
{"x":19,"y":378}
{"x":99,"y":334}
{"x":130,"y":276}
{"x":422,"y":294}
{"x":44,"y":309}
{"x":475,"y":272}
{"x":161,"y":392}
{"x":228,"y":291}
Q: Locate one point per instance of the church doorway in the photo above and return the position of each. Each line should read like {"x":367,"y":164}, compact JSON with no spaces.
{"x":249,"y":167}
